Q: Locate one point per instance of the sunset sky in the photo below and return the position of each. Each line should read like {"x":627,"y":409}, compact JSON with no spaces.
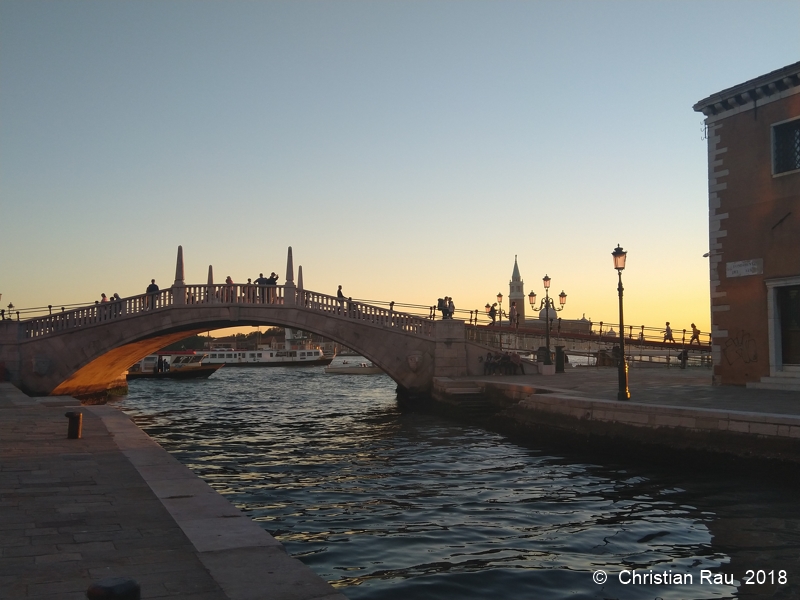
{"x":405,"y":150}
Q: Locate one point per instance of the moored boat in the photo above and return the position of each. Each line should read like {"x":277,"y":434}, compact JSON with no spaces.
{"x":172,"y":365}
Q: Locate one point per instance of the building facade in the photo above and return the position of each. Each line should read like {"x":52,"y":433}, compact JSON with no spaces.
{"x":753,"y":132}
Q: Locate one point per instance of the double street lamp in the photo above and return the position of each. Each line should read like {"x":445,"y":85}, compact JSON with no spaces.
{"x":499,"y":313}
{"x":619,"y":264}
{"x":547,"y":304}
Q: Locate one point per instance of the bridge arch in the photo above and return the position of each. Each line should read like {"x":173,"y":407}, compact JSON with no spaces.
{"x":86,"y":351}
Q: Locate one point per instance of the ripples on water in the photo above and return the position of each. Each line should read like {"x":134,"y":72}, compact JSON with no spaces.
{"x":388,"y":504}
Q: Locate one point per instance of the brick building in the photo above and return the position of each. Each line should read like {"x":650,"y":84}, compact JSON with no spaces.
{"x":754,"y":230}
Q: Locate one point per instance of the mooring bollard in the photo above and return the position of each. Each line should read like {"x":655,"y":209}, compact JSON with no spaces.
{"x":75,"y":425}
{"x":114,"y":588}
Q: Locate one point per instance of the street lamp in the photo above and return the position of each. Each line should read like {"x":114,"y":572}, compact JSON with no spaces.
{"x":619,"y":264}
{"x":499,"y":309}
{"x":547,"y":304}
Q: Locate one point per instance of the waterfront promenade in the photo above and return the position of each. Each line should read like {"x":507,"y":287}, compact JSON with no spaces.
{"x":668,"y":407}
{"x":114,"y":503}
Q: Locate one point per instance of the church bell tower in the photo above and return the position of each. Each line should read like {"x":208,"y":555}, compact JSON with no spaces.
{"x":515,"y":293}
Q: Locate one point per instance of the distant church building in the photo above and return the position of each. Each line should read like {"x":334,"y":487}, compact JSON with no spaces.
{"x":516,"y":294}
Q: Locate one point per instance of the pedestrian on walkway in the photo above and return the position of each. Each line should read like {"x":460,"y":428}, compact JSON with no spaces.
{"x":493,"y":313}
{"x":695,"y":335}
{"x":668,"y":334}
{"x":451,"y":308}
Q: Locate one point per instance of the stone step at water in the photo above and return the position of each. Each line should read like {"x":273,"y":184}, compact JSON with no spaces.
{"x":462,"y":390}
{"x":788,"y":384}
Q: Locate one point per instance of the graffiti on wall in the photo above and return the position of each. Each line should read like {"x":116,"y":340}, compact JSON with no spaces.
{"x":741,"y":347}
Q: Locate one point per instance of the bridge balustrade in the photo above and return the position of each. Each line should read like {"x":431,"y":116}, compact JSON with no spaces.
{"x":351,"y":309}
{"x":241,"y":294}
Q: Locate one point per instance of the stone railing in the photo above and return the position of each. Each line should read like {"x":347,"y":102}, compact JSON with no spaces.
{"x":224,"y":294}
{"x":351,"y":309}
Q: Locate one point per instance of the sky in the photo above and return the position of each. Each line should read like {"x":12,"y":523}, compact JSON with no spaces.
{"x":404,"y":150}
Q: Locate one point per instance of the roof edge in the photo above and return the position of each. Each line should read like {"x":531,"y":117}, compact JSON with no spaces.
{"x":772,"y":83}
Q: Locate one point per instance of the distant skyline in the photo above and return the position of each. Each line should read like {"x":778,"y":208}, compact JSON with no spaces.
{"x":404,"y":150}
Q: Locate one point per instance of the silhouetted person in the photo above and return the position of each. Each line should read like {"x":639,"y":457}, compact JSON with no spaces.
{"x":493,"y":313}
{"x":152,"y":292}
{"x":668,"y":334}
{"x":272,"y":281}
{"x":261,"y":282}
{"x":695,"y":335}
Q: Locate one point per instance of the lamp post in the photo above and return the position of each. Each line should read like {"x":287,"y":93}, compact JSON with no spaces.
{"x":547,"y":304}
{"x":499,"y":310}
{"x":619,"y":264}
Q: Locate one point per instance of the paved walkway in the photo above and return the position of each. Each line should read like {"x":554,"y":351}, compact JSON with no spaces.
{"x":689,"y":388}
{"x":114,"y":503}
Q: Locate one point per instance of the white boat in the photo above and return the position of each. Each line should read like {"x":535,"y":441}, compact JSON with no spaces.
{"x":297,"y":351}
{"x":362,"y":368}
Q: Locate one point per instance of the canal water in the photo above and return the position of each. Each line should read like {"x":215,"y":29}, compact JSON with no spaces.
{"x":391,"y":504}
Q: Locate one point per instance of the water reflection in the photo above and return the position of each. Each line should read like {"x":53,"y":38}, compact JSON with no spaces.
{"x":387,"y":504}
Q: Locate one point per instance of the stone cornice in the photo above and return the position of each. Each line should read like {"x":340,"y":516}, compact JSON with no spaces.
{"x":754,"y":92}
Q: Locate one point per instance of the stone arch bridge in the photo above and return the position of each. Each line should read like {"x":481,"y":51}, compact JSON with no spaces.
{"x":86,"y":351}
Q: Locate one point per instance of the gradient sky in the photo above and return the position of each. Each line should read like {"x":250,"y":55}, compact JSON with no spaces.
{"x":405,"y":150}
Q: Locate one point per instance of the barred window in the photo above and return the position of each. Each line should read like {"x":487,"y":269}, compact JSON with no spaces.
{"x":786,"y":146}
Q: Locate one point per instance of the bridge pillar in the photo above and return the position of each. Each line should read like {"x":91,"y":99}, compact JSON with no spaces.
{"x":11,"y":333}
{"x":450,"y":353}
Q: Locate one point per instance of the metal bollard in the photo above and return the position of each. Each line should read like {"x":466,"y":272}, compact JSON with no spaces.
{"x":75,"y":425}
{"x":114,"y":588}
{"x":559,"y":359}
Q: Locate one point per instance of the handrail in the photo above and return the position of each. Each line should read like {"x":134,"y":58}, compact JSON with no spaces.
{"x":491,"y":336}
{"x":416,"y":320}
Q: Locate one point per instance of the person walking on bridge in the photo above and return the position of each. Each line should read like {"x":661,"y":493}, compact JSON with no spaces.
{"x":668,"y":334}
{"x":152,"y":292}
{"x":340,"y":298}
{"x":695,"y":335}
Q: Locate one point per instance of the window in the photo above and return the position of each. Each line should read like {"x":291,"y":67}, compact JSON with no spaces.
{"x":786,"y":147}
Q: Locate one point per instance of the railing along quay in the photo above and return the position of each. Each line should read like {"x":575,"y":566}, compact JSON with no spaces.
{"x":644,"y":348}
{"x":225,"y":294}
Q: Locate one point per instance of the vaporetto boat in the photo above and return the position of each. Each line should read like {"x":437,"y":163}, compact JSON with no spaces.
{"x":297,"y":352}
